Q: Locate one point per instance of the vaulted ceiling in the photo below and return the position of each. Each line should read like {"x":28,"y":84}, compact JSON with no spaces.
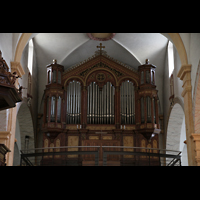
{"x":71,"y":48}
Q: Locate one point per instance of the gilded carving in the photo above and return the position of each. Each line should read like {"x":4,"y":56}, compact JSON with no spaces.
{"x":100,"y":77}
{"x":108,"y":137}
{"x":93,"y":137}
{"x":116,"y":72}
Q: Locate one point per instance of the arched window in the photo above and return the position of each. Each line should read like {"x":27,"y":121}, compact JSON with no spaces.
{"x":49,"y":77}
{"x":147,"y":77}
{"x":142,"y":77}
{"x":30,"y":56}
{"x":170,"y":58}
{"x":54,"y":76}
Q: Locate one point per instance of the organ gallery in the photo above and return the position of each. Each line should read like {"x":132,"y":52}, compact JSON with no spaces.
{"x":100,"y":102}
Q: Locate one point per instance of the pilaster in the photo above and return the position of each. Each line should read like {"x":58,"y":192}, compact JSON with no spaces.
{"x":185,"y":75}
{"x":196,"y":140}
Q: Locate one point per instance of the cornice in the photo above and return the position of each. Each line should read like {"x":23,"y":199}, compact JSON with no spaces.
{"x":16,"y":66}
{"x":183,"y":70}
{"x":98,"y":55}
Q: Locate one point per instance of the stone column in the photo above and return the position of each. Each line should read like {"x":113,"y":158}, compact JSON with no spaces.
{"x":185,"y":75}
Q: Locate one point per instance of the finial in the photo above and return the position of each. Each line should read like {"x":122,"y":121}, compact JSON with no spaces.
{"x":54,"y":61}
{"x":101,"y":47}
{"x":147,"y":61}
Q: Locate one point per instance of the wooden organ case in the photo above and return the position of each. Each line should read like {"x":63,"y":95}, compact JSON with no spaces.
{"x":100,"y":102}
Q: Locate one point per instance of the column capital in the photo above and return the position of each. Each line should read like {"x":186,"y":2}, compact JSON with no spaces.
{"x":195,"y":136}
{"x":185,"y":90}
{"x":183,"y":70}
{"x":16,"y":66}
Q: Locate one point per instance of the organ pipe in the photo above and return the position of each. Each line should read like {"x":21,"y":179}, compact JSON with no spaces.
{"x":127,"y":94}
{"x":53,"y":104}
{"x":100,"y":104}
{"x":73,"y":103}
{"x":59,"y":109}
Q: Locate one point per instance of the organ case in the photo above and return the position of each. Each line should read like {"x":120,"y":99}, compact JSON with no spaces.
{"x":101,"y":95}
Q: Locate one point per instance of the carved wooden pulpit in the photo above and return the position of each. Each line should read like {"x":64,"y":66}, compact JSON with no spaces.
{"x":9,"y":94}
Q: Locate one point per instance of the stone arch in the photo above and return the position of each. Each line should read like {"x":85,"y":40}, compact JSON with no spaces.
{"x":176,"y":133}
{"x":177,"y":41}
{"x":196,"y":102}
{"x":175,"y":37}
{"x":24,"y":127}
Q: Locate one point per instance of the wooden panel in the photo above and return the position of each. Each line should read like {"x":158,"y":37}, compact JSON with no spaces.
{"x":93,"y":137}
{"x":101,"y":143}
{"x":128,"y":142}
{"x":143,"y":144}
{"x":51,"y":150}
{"x":107,"y":137}
{"x":57,"y":145}
{"x":46,"y":144}
{"x":73,"y":141}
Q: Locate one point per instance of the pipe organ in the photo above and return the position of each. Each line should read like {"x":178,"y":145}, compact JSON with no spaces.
{"x":100,"y":95}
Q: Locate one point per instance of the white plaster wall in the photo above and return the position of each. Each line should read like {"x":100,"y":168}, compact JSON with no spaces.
{"x":34,"y":86}
{"x":6,"y":46}
{"x":194,"y":56}
{"x":166,"y":95}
